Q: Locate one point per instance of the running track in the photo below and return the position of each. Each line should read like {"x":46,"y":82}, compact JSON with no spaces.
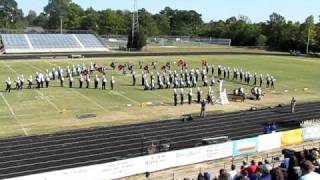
{"x":35,"y":154}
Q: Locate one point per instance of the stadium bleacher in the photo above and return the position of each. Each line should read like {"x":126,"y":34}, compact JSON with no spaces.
{"x":44,"y":43}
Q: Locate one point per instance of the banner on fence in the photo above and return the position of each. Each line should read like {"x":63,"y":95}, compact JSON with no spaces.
{"x":245,"y":146}
{"x":311,"y":133}
{"x":269,"y":141}
{"x":291,"y":137}
{"x":123,"y":168}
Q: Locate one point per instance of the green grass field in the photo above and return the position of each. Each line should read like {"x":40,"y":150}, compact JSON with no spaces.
{"x":55,"y":109}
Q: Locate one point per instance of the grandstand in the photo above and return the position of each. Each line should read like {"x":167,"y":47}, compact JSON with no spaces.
{"x":48,"y":43}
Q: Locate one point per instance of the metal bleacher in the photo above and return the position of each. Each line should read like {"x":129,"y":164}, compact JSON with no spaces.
{"x":15,"y":41}
{"x":89,"y":41}
{"x":44,"y":43}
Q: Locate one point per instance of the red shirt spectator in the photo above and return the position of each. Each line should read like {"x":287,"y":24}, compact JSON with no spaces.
{"x":252,"y":169}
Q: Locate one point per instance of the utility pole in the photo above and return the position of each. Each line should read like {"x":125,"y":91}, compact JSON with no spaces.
{"x":308,"y":42}
{"x":135,"y":20}
{"x":61,"y":25}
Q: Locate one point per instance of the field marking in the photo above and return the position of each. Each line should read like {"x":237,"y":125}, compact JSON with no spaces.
{"x":13,"y":114}
{"x":126,"y":97}
{"x":10,"y":67}
{"x":82,"y":95}
{"x":88,"y":99}
{"x":34,"y":67}
{"x":48,"y":100}
{"x":8,"y":105}
{"x":164,"y":97}
{"x":40,"y":93}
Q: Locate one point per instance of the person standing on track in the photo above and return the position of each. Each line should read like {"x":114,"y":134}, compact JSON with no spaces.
{"x":175,"y":97}
{"x":181,"y":96}
{"x":203,"y":108}
{"x":293,"y":104}
{"x":190,"y":96}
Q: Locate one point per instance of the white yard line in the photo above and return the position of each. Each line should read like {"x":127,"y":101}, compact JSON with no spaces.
{"x":40,"y":93}
{"x":88,"y":99}
{"x":48,"y":100}
{"x":80,"y":94}
{"x":9,"y":67}
{"x":8,"y":105}
{"x":13,"y":114}
{"x":163,"y":97}
{"x":10,"y":108}
{"x":126,"y":97}
{"x":34,"y":67}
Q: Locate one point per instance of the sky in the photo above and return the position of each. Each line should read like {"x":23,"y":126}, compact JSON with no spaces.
{"x":256,"y":10}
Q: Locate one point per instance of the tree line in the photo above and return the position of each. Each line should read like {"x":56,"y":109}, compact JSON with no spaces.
{"x":276,"y":33}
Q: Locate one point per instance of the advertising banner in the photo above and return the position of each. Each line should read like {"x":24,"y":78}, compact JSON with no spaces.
{"x":291,"y":137}
{"x":245,"y":146}
{"x":311,"y":133}
{"x":269,"y":141}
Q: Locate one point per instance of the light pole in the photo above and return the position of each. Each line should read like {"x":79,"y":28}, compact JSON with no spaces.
{"x":61,"y":25}
{"x":135,"y":21}
{"x":308,"y":41}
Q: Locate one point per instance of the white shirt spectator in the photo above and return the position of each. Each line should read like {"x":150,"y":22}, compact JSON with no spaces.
{"x":233,"y":174}
{"x":310,"y":176}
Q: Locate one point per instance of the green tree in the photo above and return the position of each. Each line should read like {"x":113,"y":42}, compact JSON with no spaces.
{"x":56,"y":9}
{"x":10,"y":15}
{"x":309,"y":32}
{"x":261,"y":40}
{"x":90,"y":20}
{"x":41,"y":20}
{"x":163,"y":24}
{"x":139,"y":40}
{"x":32,"y":15}
{"x":147,"y":22}
{"x":72,"y":20}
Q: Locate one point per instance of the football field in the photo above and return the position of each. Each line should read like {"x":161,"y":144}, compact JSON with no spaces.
{"x":37,"y":111}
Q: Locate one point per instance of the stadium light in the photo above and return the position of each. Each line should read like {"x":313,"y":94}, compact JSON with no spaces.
{"x":135,"y":20}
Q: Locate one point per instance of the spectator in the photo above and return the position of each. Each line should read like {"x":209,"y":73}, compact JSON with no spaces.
{"x":308,"y":171}
{"x":294,"y":170}
{"x":315,"y":157}
{"x":200,"y":176}
{"x":233,"y":173}
{"x":147,"y":177}
{"x":223,"y":175}
{"x":266,"y":172}
{"x":277,"y":174}
{"x":244,"y":174}
{"x":252,"y":168}
{"x":207,"y":176}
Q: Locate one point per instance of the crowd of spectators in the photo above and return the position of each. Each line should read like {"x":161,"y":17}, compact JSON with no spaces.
{"x":303,"y":165}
